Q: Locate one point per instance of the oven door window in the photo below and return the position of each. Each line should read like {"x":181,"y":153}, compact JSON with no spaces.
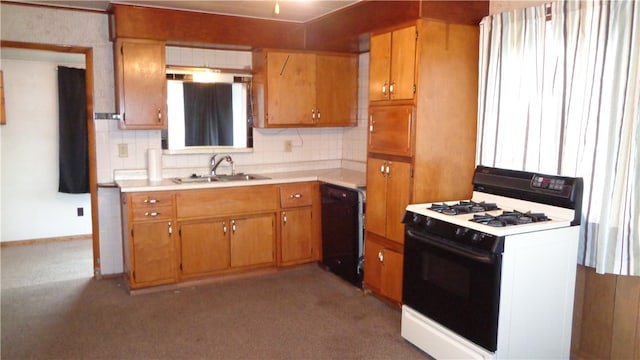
{"x":458,"y":290}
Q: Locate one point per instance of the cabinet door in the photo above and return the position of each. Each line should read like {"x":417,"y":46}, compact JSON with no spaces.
{"x":383,"y":270}
{"x":373,"y":265}
{"x":403,"y":62}
{"x":379,"y":66}
{"x":388,"y":186}
{"x":291,"y":88}
{"x":391,"y":275}
{"x":153,"y":255}
{"x":398,"y":187}
{"x":252,"y":240}
{"x":141,"y":84}
{"x":296,"y":236}
{"x":391,"y":129}
{"x":336,"y":90}
{"x":376,"y":197}
{"x":204,"y":247}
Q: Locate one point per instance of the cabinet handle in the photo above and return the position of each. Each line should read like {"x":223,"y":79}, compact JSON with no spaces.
{"x":388,"y":169}
{"x":295,"y":196}
{"x":381,"y":256}
{"x":384,"y":163}
{"x":152,"y":214}
{"x":159,"y":115}
{"x":150,"y":201}
{"x":317,"y":115}
{"x":384,"y":88}
{"x":313,"y":114}
{"x":224,"y":228}
{"x":371,"y":122}
{"x":233,"y":226}
{"x":391,"y":87}
{"x":284,"y":217}
{"x":170,"y":228}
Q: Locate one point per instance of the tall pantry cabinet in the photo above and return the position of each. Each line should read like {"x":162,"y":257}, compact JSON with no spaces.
{"x":422,"y":130}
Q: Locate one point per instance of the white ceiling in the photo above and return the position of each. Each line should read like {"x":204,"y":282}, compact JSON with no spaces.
{"x":290,"y":10}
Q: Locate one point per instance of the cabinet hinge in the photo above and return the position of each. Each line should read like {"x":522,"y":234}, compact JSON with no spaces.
{"x":414,"y":89}
{"x":180,"y":266}
{"x":411,"y":172}
{"x":131,"y":232}
{"x":416,"y":35}
{"x":180,"y":233}
{"x":133,"y":273}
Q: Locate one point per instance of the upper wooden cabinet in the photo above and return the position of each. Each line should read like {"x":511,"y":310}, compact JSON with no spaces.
{"x":140,"y":84}
{"x":392,"y":65}
{"x":391,"y":130}
{"x":302,"y":89}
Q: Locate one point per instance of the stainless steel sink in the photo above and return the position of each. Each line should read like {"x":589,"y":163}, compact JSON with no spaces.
{"x":210,"y":178}
{"x":240,"y":177}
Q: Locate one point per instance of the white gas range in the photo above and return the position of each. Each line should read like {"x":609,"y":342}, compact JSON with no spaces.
{"x":494,"y":276}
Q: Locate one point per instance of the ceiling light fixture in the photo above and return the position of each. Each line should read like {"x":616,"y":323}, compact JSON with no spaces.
{"x":276,"y":10}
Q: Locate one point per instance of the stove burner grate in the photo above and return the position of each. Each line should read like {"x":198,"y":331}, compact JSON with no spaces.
{"x":509,"y":218}
{"x":464,"y":207}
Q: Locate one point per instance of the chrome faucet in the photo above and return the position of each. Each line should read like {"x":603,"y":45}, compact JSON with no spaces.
{"x":215,"y":163}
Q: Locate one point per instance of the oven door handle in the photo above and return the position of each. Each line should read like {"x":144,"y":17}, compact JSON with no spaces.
{"x":443,"y":244}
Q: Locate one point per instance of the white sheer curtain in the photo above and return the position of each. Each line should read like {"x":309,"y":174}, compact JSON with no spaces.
{"x":560,"y":94}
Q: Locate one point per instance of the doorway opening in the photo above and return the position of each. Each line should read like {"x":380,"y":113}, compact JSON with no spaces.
{"x":33,"y":211}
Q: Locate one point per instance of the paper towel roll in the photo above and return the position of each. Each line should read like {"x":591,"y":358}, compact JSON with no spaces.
{"x":154,"y":164}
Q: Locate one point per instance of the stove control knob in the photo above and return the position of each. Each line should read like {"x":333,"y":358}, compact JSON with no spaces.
{"x":416,"y":219}
{"x":429,"y":222}
{"x":476,"y":237}
{"x":461,"y":231}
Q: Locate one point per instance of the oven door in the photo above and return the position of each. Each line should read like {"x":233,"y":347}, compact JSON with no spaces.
{"x":452,"y":285}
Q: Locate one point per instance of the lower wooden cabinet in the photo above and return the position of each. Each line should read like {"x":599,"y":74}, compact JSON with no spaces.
{"x":148,"y":233}
{"x":215,"y":245}
{"x":383,"y":274}
{"x":171,"y":236}
{"x":152,"y":254}
{"x":296,"y":241}
{"x":300,"y":237}
{"x":204,"y":247}
{"x":253,"y":241}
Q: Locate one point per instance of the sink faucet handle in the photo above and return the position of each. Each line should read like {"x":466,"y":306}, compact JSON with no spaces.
{"x":213,"y":159}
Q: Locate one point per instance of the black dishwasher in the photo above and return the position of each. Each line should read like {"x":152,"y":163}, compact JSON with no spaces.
{"x":342,"y":232}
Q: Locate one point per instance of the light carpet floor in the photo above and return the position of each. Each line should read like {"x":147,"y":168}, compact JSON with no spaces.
{"x":301,"y":313}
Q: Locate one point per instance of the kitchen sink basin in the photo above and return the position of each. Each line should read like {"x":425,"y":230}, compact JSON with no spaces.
{"x":211,"y":178}
{"x":237,"y":177}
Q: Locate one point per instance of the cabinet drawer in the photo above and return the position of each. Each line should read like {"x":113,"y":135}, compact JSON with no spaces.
{"x":295,"y":195}
{"x":152,"y":213}
{"x":155,"y":199}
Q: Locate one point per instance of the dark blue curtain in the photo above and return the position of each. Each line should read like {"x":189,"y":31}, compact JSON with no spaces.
{"x":72,"y":115}
{"x":208,"y":114}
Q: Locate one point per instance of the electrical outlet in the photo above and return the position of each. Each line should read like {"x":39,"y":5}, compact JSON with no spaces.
{"x":80,"y":211}
{"x":288,"y":146}
{"x":123,"y":150}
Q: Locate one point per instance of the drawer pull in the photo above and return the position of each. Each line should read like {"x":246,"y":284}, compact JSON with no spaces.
{"x":295,"y":196}
{"x":151,"y":201}
{"x":152,"y":214}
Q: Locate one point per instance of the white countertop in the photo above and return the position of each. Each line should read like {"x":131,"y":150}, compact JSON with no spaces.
{"x":338,"y":176}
